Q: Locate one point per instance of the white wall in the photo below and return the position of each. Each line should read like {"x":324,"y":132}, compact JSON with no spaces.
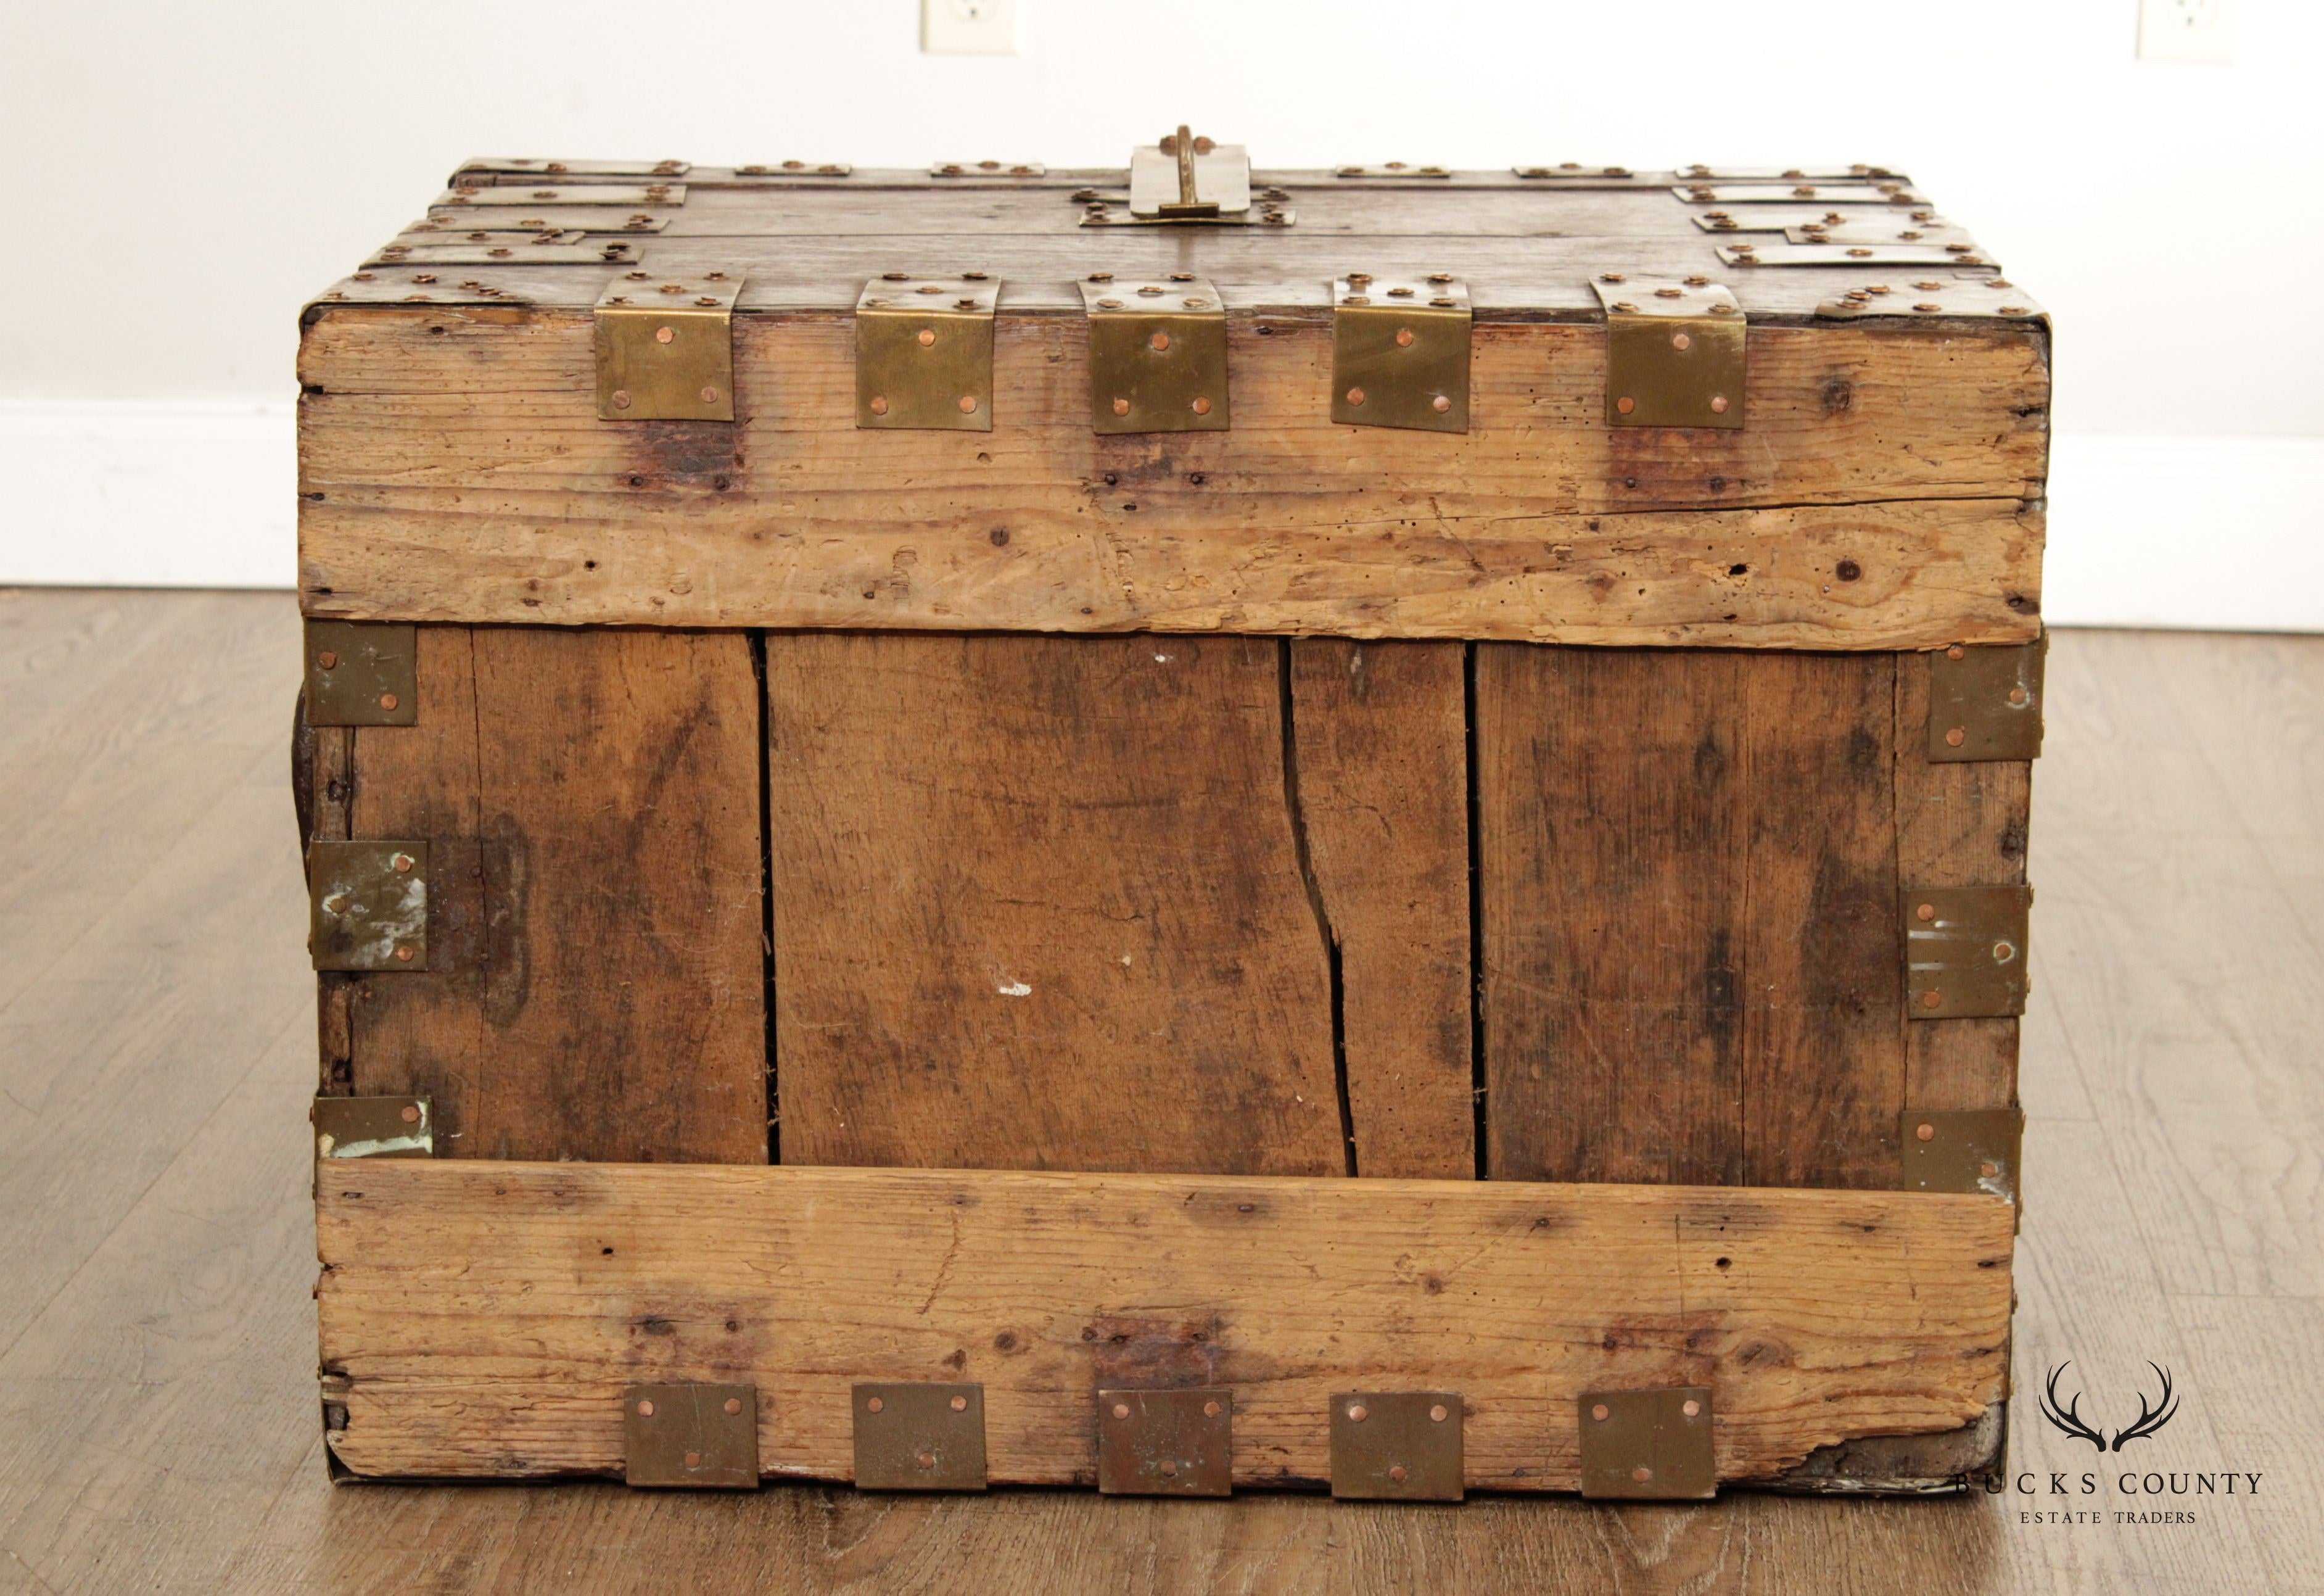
{"x":218,"y":164}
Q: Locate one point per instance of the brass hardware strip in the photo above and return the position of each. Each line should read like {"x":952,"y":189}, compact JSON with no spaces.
{"x":1965,"y":951}
{"x":918,"y":1436}
{"x":666,"y":347}
{"x":1675,"y":352}
{"x":1165,"y":1442}
{"x":1648,"y":1446}
{"x":367,"y":905}
{"x":1398,"y":1446}
{"x":1400,"y":353}
{"x":1985,"y":702}
{"x":1961,"y":1149}
{"x":1157,"y":354}
{"x":362,"y":673}
{"x":924,"y":352}
{"x":702,"y":1436}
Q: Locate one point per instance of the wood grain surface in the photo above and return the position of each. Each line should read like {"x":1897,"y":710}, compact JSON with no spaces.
{"x":482,"y":1319}
{"x":1039,"y":904}
{"x":595,"y":985}
{"x":452,"y":468}
{"x":1686,"y":873}
{"x":157,"y":1342}
{"x":1380,"y":738}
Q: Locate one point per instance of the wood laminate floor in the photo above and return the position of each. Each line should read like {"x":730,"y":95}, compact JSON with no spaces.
{"x":158,"y":1415}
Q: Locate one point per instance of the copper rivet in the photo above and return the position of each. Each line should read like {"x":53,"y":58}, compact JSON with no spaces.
{"x":968,"y":404}
{"x":404,"y":954}
{"x":663,"y":335}
{"x":1159,"y":341}
{"x":1355,"y":396}
{"x":927,"y":337}
{"x":410,"y":1114}
{"x":1931,"y":998}
{"x":1955,"y":652}
{"x":1202,"y":407}
{"x":403,"y":864}
{"x":1359,"y":1412}
{"x":1642,"y":1474}
{"x":1395,"y":1472}
{"x":1439,"y":404}
{"x":1169,"y":1468}
{"x":1955,"y":737}
{"x":388,"y":701}
{"x":1404,"y":337}
{"x":1599,"y":1411}
{"x":927,"y":1459}
{"x":620,"y":398}
{"x":960,"y":1405}
{"x":874,"y":1405}
{"x":1121,"y":1410}
{"x":1988,"y":1169}
{"x":692,"y":1460}
{"x":645,"y":1410}
{"x":2003,"y":953}
{"x":1210,"y":1410}
{"x":1719,"y":405}
{"x":709,"y":395}
{"x":2017,"y":695}
{"x":1121,"y":407}
{"x":327,"y":660}
{"x":1625,"y":405}
{"x":1681,"y":341}
{"x":1438,"y":1414}
{"x":1927,"y":911}
{"x":734,"y":1405}
{"x":1691,"y":1407}
{"x":1925,"y":1132}
{"x":879,"y":405}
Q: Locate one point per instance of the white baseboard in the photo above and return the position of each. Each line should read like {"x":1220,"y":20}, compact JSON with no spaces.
{"x":2225,"y":533}
{"x":149,"y":493}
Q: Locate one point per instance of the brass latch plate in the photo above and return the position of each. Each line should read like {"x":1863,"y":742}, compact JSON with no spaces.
{"x":1961,"y":1149}
{"x":1400,"y":353}
{"x":701,"y":1436}
{"x":362,"y":673}
{"x":1650,"y":1446}
{"x":369,"y":905}
{"x":1165,"y":1442}
{"x":1965,"y":951}
{"x":666,"y":347}
{"x":372,"y":1128}
{"x":1985,"y":702}
{"x":924,"y":352}
{"x":1675,"y":352}
{"x":1157,"y":354}
{"x":503,"y":195}
{"x":1397,"y":1445}
{"x":1788,"y":218}
{"x":1184,"y":177}
{"x":919,"y":1437}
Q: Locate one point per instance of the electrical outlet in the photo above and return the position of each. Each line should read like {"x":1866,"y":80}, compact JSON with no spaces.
{"x":968,"y":27}
{"x":2179,"y":30}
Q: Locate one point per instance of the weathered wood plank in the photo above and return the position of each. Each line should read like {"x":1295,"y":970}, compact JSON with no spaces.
{"x":481,"y":1319}
{"x":1380,"y":744}
{"x":1958,"y":824}
{"x":595,"y":985}
{"x":464,"y":476}
{"x":1038,"y":904}
{"x":1689,"y":925}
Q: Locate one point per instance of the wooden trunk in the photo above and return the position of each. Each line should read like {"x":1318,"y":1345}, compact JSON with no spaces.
{"x":1139,"y":885}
